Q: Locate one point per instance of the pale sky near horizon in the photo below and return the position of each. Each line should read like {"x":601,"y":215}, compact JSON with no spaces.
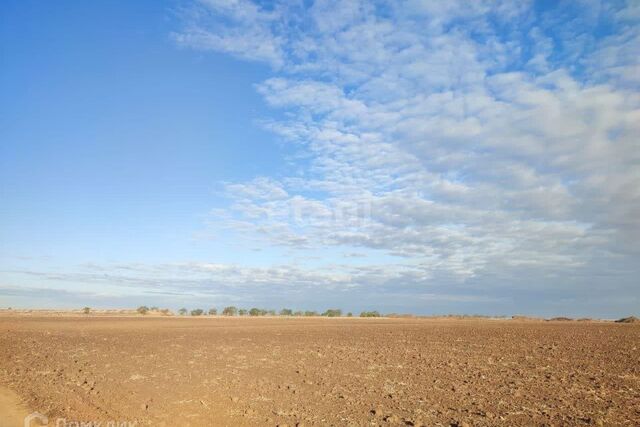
{"x":413,"y":156}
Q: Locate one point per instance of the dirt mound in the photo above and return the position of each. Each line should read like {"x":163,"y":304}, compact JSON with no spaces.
{"x":630,"y":319}
{"x":526,"y":318}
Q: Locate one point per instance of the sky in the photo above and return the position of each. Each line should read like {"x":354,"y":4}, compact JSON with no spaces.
{"x":417,"y":157}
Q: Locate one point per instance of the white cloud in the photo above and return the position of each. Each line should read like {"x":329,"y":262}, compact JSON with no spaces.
{"x":243,"y":30}
{"x":466,"y":148}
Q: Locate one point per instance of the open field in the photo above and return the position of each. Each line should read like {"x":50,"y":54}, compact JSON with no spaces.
{"x":319,"y":371}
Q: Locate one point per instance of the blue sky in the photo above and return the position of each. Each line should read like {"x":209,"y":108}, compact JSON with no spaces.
{"x":425,"y":157}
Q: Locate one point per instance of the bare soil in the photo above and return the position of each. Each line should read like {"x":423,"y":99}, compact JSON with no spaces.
{"x":319,"y":371}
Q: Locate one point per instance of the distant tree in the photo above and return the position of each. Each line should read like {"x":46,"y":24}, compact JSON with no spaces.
{"x":230,"y":311}
{"x":333,"y":312}
{"x":213,"y":311}
{"x":255,"y":312}
{"x":197,"y":312}
{"x":86,"y":310}
{"x":349,"y":314}
{"x":369,"y":314}
{"x":630,"y":319}
{"x":242,"y":312}
{"x":269,"y":312}
{"x":310,"y":313}
{"x":286,"y":312}
{"x":298,"y":313}
{"x":183,"y":311}
{"x":154,"y":308}
{"x":143,"y":309}
{"x":165,"y":311}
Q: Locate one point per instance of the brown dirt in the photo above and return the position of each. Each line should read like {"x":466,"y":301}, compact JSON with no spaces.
{"x":222,"y":371}
{"x":12,"y":411}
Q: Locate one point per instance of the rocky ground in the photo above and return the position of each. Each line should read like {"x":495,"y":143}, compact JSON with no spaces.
{"x":320,"y":371}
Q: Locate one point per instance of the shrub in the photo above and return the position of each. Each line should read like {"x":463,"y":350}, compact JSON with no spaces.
{"x":333,"y":312}
{"x":242,"y":312}
{"x":182,"y":311}
{"x":269,"y":312}
{"x":349,"y":314}
{"x":298,"y":313}
{"x":230,"y":311}
{"x":310,"y":313}
{"x":369,"y":314}
{"x":286,"y":312}
{"x":154,"y":308}
{"x":197,"y":312}
{"x":165,"y":312}
{"x":631,"y":319}
{"x":213,"y":312}
{"x":86,"y":310}
{"x":255,"y":312}
{"x":143,"y":309}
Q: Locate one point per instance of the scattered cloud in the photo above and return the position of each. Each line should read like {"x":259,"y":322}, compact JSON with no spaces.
{"x":470,"y":141}
{"x":444,"y":150}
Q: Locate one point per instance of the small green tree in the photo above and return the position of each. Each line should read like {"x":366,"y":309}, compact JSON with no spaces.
{"x":298,"y":313}
{"x":230,"y":311}
{"x":349,"y":314}
{"x":182,"y":311}
{"x":286,"y":312}
{"x":197,"y":312}
{"x":333,"y":312}
{"x":255,"y":312}
{"x":269,"y":312}
{"x":154,"y":308}
{"x":369,"y":314}
{"x":143,"y":309}
{"x":86,"y":310}
{"x":242,"y":312}
{"x":310,"y":313}
{"x":213,"y":312}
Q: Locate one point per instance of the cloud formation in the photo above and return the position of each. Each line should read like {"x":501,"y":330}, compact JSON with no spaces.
{"x":479,"y":152}
{"x":487,"y":142}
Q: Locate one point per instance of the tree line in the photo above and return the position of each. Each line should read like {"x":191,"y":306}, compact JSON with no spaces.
{"x":235,"y":311}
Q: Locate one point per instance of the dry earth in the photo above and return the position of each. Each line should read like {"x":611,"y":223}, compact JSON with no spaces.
{"x":319,"y":371}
